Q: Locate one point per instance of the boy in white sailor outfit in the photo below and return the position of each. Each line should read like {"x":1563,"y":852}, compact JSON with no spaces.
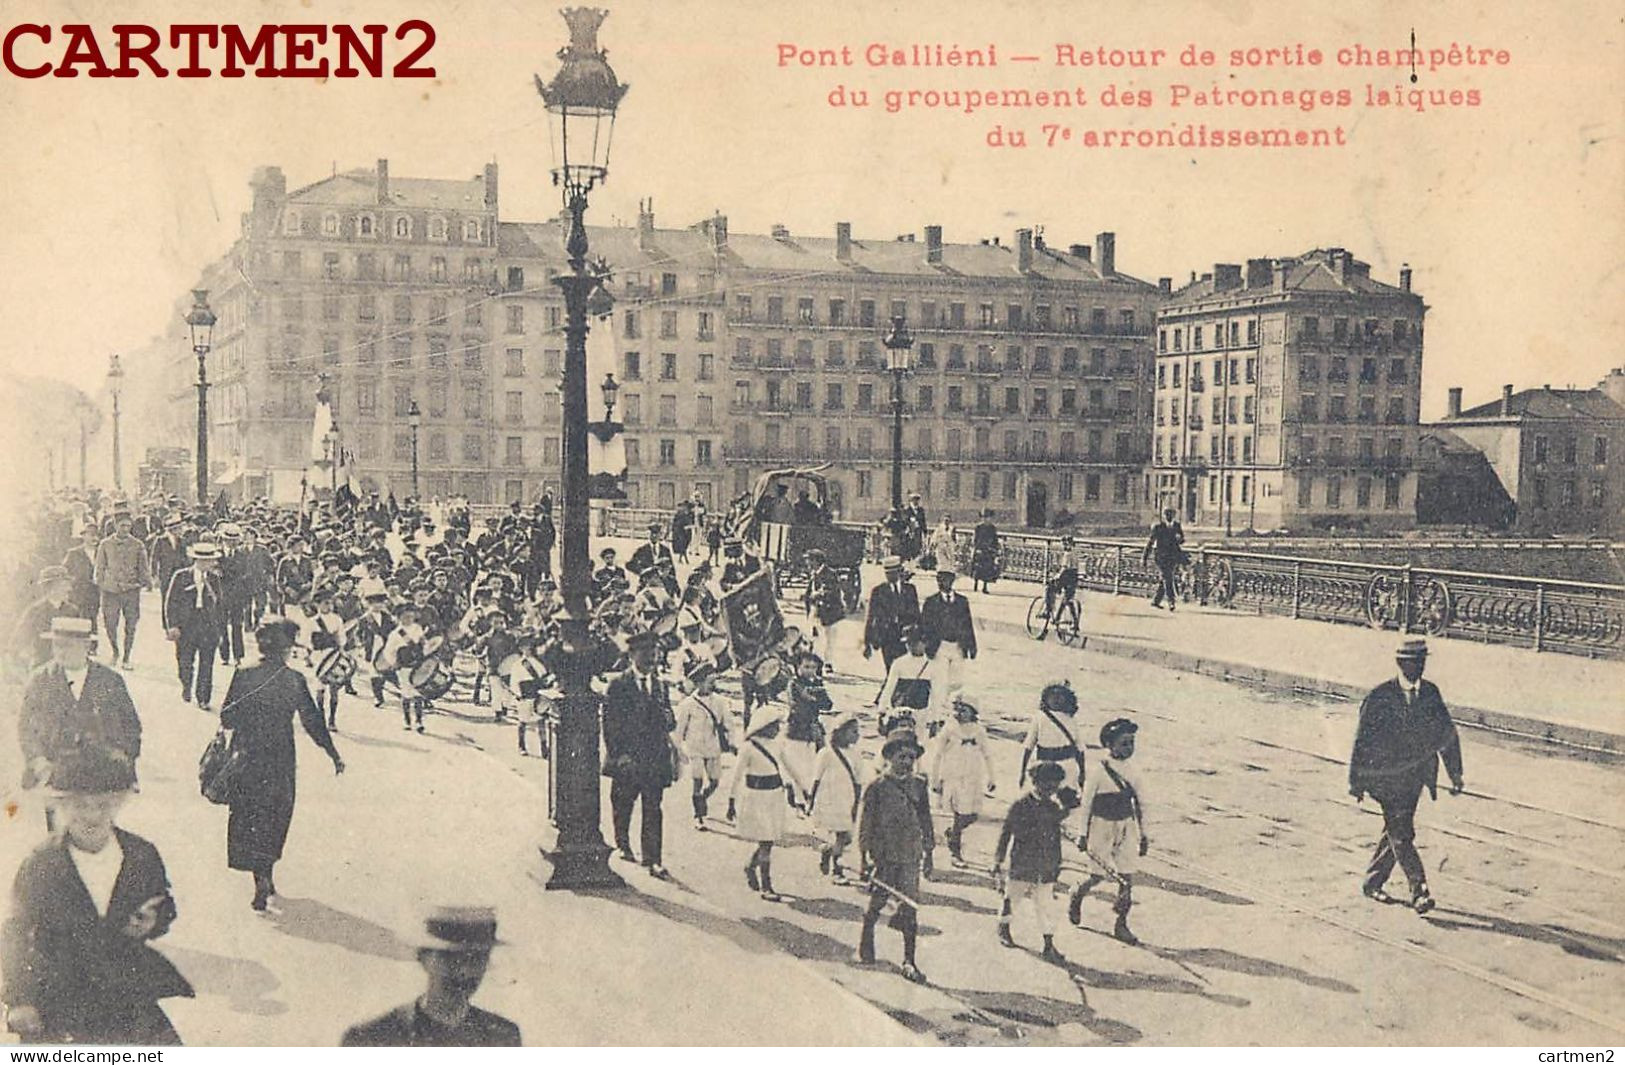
{"x":1113,"y":823}
{"x":702,"y":734}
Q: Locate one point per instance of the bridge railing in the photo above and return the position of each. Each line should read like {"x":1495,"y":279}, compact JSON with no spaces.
{"x":1569,"y":617}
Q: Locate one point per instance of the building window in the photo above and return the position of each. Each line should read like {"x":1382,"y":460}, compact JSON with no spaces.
{"x":668,"y":325}
{"x":866,"y":397}
{"x":513,"y":451}
{"x":1120,"y":488}
{"x":632,"y":363}
{"x":983,"y":485}
{"x":1390,"y":493}
{"x":706,"y":330}
{"x":1599,"y":493}
{"x":950,"y":487}
{"x":471,"y":230}
{"x":866,"y":484}
{"x":514,"y":407}
{"x":403,"y":227}
{"x":1540,"y":450}
{"x":513,"y":363}
{"x":1306,"y":490}
{"x":1571,"y":450}
{"x":775,"y":310}
{"x":1362,"y":493}
{"x":668,"y":366}
{"x":1091,"y":488}
{"x":833,"y":397}
{"x":1599,"y":451}
{"x":366,"y":226}
{"x":866,"y":312}
{"x":668,"y":410}
{"x":437,"y":228}
{"x":1334,"y":491}
{"x":707,"y":369}
{"x":1012,"y":401}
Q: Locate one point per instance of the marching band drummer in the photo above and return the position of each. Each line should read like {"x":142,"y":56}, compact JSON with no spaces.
{"x":325,"y":632}
{"x":702,"y":734}
{"x":403,"y":649}
{"x":524,"y":684}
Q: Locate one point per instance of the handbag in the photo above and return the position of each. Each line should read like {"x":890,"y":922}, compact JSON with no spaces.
{"x":220,"y":768}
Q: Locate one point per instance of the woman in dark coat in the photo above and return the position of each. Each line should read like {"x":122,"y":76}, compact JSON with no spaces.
{"x":984,"y":558}
{"x":260,"y":709}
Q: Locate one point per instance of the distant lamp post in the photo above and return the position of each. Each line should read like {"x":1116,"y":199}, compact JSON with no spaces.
{"x":84,"y":410}
{"x":200,"y":322}
{"x":610,"y":389}
{"x":115,"y":385}
{"x":414,"y":418}
{"x":581,"y":101}
{"x":899,"y":360}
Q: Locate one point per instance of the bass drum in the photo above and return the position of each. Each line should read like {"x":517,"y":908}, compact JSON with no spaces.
{"x":335,"y":668}
{"x":432,"y":678}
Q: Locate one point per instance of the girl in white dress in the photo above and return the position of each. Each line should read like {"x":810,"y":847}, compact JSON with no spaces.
{"x":836,"y":787}
{"x":960,"y":768}
{"x":757,"y":801}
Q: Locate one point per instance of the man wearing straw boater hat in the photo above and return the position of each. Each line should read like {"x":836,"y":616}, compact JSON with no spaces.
{"x":77,"y":965}
{"x":454,"y":950}
{"x":194,"y":618}
{"x":1404,"y":732}
{"x":73,"y":705}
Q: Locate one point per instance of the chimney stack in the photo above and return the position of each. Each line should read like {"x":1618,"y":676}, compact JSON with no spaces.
{"x":780,"y":231}
{"x":1024,"y":250}
{"x":1082,"y":251}
{"x":383,"y":181}
{"x":933,"y":244}
{"x":1404,"y":277}
{"x":1165,"y":285}
{"x":1455,"y":403}
{"x":1278,"y":281}
{"x":1506,"y":399}
{"x":1226,"y":276}
{"x":843,"y":241}
{"x":1258,"y":273}
{"x":491,"y":187}
{"x":719,"y":233}
{"x":646,"y":224}
{"x":1107,"y":243}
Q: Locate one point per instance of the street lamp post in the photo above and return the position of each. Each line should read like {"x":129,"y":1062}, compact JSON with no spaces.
{"x":414,"y":418}
{"x":115,"y":385}
{"x":581,"y":101}
{"x":84,"y":440}
{"x":200,"y":322}
{"x":899,"y":353}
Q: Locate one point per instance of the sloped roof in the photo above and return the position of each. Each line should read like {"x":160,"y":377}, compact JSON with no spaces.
{"x":1553,"y":404}
{"x":1313,"y":271}
{"x":359,"y":188}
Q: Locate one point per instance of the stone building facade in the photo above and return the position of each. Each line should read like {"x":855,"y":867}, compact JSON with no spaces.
{"x":1287,"y":394}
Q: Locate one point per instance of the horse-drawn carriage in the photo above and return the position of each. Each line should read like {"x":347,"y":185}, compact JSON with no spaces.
{"x":786,"y":528}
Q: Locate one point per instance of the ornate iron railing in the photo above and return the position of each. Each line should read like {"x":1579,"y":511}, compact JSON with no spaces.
{"x":1570,"y":617}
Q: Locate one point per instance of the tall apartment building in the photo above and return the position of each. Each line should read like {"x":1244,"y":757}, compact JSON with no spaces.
{"x":1029,"y":393}
{"x":666,"y":329}
{"x":1287,"y":396}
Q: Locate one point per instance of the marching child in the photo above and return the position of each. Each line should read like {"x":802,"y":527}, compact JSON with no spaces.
{"x":908,"y":681}
{"x":960,"y":769}
{"x":757,"y":797}
{"x":836,"y":787}
{"x":523,"y":686}
{"x":324,"y":633}
{"x":407,"y":637}
{"x":826,"y":603}
{"x":803,"y":731}
{"x":1032,"y":839}
{"x":894,"y":829}
{"x":702,"y":734}
{"x":1113,"y":824}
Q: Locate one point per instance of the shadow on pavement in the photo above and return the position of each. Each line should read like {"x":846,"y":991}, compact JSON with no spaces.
{"x":243,"y":983}
{"x":1014,"y":1014}
{"x":321,"y":923}
{"x":1580,"y":944}
{"x":1229,"y":960}
{"x":1129,"y":980}
{"x":373,"y":741}
{"x":714,"y":924}
{"x":1196,"y":891}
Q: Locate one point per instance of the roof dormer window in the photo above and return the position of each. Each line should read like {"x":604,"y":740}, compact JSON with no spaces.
{"x":366,"y":226}
{"x":403,"y":227}
{"x":471,"y":230}
{"x":330,"y":224}
{"x":437,"y":228}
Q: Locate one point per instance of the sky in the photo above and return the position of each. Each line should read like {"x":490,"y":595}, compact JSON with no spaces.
{"x":1510,"y":212}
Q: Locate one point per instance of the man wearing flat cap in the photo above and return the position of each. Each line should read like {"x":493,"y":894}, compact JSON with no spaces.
{"x":454,"y":950}
{"x":1404,"y":732}
{"x":84,"y":905}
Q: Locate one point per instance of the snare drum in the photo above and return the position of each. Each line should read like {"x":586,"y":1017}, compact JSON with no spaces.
{"x":335,"y":667}
{"x":431,"y":678}
{"x":432,"y":645}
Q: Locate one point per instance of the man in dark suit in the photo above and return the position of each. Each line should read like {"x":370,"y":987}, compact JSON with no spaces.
{"x":894,"y":608}
{"x":1164,"y":548}
{"x":168,"y":551}
{"x":950,"y":640}
{"x":74,"y":951}
{"x":915,"y":513}
{"x":655,"y":554}
{"x":30,"y":642}
{"x":638,"y":723}
{"x":194,"y":617}
{"x":72,"y":705}
{"x":257,"y":566}
{"x":233,"y":591}
{"x":1405,"y":730}
{"x":80,"y":562}
{"x":455,"y":952}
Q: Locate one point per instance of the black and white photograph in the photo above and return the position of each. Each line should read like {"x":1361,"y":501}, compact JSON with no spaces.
{"x":700,"y":524}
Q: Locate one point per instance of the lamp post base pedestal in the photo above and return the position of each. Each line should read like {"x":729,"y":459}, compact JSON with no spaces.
{"x":581,"y":868}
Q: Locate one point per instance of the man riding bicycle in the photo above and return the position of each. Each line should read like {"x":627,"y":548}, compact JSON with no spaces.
{"x":1064,"y":582}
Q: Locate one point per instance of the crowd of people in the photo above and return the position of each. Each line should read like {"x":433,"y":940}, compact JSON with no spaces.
{"x":428,"y":607}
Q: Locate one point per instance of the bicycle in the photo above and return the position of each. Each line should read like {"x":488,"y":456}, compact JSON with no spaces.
{"x":1066,"y":620}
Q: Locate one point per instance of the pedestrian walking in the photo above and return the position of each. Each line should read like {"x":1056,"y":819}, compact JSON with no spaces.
{"x":122,"y":571}
{"x":454,"y":951}
{"x":803,"y":731}
{"x":234,"y":591}
{"x":1404,"y":732}
{"x":80,"y":562}
{"x":194,"y":619}
{"x":960,"y":768}
{"x":825,"y":602}
{"x":168,"y":552}
{"x":638,"y":751}
{"x":30,"y":640}
{"x":1052,"y":735}
{"x":1113,"y":825}
{"x":907,"y":687}
{"x":757,"y":800}
{"x":1032,"y":839}
{"x":702,"y":734}
{"x":836,"y":789}
{"x":1164,"y":548}
{"x":894,"y":607}
{"x":259,"y":710}
{"x":894,"y":834}
{"x":950,"y":640}
{"x":84,"y":906}
{"x":984,"y":554}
